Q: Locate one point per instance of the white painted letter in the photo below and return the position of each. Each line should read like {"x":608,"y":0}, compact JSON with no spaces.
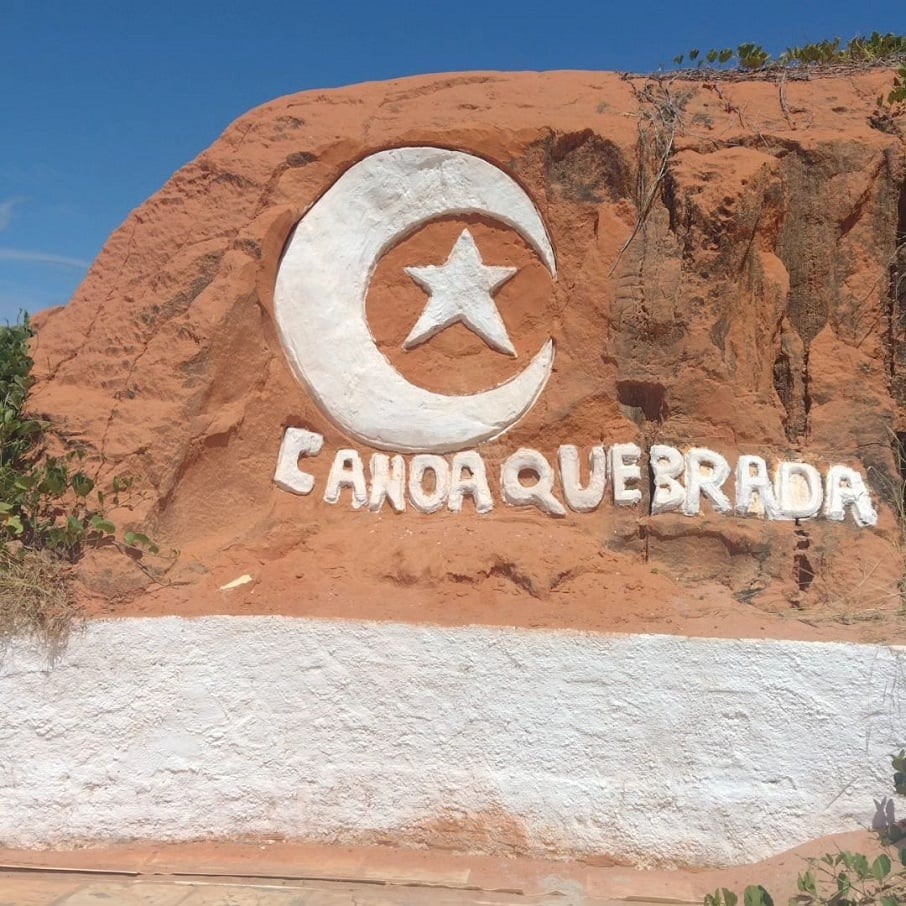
{"x":388,"y":478}
{"x":706,"y":471}
{"x":475,"y":484}
{"x":539,"y":494}
{"x":296,"y":442}
{"x":753,"y":488}
{"x":798,"y":490}
{"x":624,"y":467}
{"x":846,"y":488}
{"x":583,"y":500}
{"x":347,"y":472}
{"x":667,"y":465}
{"x":428,"y":501}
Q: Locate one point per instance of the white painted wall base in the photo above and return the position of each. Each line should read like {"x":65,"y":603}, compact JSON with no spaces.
{"x":650,"y":748}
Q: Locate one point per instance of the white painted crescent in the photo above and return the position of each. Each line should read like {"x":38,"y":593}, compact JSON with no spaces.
{"x":323,"y":280}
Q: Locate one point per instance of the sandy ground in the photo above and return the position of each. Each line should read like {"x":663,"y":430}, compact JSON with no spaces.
{"x":287,"y":873}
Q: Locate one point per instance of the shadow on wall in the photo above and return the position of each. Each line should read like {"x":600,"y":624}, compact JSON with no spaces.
{"x":885,"y":815}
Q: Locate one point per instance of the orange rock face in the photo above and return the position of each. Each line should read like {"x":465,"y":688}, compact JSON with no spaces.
{"x":729,"y":275}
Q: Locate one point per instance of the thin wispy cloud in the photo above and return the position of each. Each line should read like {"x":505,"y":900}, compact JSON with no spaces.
{"x":25,"y":256}
{"x":7,"y":206}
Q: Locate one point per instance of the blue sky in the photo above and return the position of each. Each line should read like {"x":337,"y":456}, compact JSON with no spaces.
{"x":100,"y":102}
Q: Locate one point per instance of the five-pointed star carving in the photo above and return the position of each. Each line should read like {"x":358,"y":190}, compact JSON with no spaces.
{"x":460,"y":290}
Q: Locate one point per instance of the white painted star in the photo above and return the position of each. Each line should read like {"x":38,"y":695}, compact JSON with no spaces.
{"x":460,"y":291}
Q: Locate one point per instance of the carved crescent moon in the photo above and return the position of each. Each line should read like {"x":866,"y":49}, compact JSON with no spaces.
{"x":319,"y":299}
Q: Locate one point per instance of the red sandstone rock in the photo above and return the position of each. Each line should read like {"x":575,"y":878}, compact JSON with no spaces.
{"x":751,"y":312}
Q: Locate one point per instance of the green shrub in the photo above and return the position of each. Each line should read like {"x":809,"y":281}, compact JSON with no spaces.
{"x":50,"y":508}
{"x":876,"y":47}
{"x":47,"y":502}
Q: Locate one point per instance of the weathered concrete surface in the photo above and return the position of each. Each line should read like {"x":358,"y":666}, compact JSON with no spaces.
{"x":645,"y":749}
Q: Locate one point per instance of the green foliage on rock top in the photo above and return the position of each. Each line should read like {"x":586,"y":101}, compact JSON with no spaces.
{"x":752,"y":57}
{"x":875,"y":49}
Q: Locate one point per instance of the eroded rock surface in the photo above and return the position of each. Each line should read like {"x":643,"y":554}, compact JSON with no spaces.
{"x":729,"y":275}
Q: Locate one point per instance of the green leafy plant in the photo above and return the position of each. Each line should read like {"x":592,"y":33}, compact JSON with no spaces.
{"x":898,"y":92}
{"x":50,"y":508}
{"x":721,"y":57}
{"x":892,"y":105}
{"x":843,"y":878}
{"x":47,"y":502}
{"x":899,"y":772}
{"x":873,"y":49}
{"x":754,"y":895}
{"x":752,"y":56}
{"x":810,"y":54}
{"x":849,"y":879}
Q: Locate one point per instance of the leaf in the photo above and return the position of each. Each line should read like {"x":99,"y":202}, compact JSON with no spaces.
{"x":899,"y":782}
{"x":730,"y":898}
{"x":806,"y":882}
{"x":82,"y":485}
{"x":54,"y":481}
{"x":756,"y":895}
{"x":859,"y":864}
{"x":122,"y":483}
{"x":880,"y":868}
{"x":137,"y":539}
{"x":843,"y":883}
{"x":99,"y":524}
